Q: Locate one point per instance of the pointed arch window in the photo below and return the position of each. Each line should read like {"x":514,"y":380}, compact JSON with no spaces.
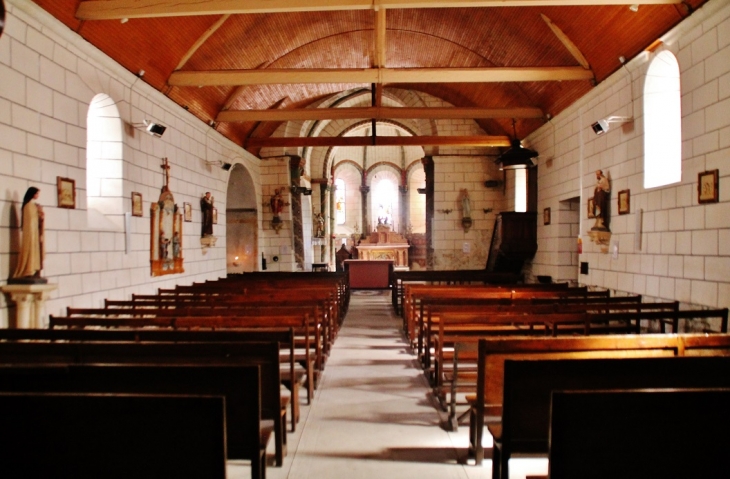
{"x":662,"y":122}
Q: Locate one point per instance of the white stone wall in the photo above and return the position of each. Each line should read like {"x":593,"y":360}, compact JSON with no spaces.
{"x":684,"y":253}
{"x":48,"y":77}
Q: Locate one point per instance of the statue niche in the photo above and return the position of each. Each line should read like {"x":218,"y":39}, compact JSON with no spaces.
{"x":166,"y":239}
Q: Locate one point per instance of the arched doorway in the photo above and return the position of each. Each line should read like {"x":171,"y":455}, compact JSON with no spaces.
{"x":241,"y":222}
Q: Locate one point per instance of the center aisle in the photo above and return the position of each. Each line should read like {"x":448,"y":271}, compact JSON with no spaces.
{"x":372,"y":415}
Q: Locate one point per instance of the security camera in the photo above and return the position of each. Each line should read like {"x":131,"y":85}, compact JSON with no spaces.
{"x":154,"y":128}
{"x":600,"y":127}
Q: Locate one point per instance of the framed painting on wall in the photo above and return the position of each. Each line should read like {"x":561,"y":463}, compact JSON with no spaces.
{"x":624,"y":202}
{"x":137,"y":204}
{"x":546,"y":216}
{"x":708,"y":186}
{"x":188,"y":212}
{"x":66,"y":192}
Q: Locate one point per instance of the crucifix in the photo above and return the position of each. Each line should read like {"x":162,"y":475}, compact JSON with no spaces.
{"x":166,"y":168}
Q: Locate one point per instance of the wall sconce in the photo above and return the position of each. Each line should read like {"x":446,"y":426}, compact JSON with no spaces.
{"x":493,"y":183}
{"x":235,"y":262}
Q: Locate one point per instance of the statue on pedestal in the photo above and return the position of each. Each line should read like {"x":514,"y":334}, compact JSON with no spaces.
{"x":30,"y":259}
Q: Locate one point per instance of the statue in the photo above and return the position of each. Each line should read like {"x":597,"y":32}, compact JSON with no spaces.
{"x":206,"y":207}
{"x":319,"y":225}
{"x":465,"y":205}
{"x":277,"y":204}
{"x":600,"y":202}
{"x":30,"y":259}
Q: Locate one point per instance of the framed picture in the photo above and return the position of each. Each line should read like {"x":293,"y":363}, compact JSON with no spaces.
{"x":188,"y":212}
{"x":590,"y":208}
{"x":137,"y":204}
{"x":66,"y":192}
{"x":708,"y":186}
{"x":546,"y":216}
{"x":215,"y":216}
{"x":624,"y":202}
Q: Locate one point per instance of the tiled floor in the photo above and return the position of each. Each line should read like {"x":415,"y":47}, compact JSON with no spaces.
{"x":373,"y":417}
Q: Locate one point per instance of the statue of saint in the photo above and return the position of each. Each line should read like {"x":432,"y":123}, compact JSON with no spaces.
{"x":30,"y":260}
{"x":319,"y":225}
{"x":465,"y":205}
{"x":206,"y":207}
{"x":277,"y":204}
{"x":600,"y":201}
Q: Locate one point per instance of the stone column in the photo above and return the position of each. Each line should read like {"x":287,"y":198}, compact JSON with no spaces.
{"x":30,"y":300}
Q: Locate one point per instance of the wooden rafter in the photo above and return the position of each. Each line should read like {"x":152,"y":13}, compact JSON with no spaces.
{"x":118,"y":9}
{"x":327,"y":141}
{"x":567,"y":42}
{"x":380,"y":38}
{"x":382,"y":113}
{"x":203,"y":38}
{"x":377,"y":75}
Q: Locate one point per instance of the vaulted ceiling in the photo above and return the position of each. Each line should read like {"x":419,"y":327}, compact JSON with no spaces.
{"x":246,"y":66}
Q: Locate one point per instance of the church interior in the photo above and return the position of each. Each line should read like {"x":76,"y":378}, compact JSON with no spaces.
{"x":329,"y":158}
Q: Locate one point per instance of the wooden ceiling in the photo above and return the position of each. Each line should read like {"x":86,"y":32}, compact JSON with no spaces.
{"x":248,"y":65}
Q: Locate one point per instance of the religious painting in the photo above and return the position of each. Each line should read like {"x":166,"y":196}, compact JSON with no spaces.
{"x":624,"y":202}
{"x":215,"y":216}
{"x":66,"y":192}
{"x":546,"y":216}
{"x":591,"y":214}
{"x":188,"y":212}
{"x":136,"y":204}
{"x":708,"y":186}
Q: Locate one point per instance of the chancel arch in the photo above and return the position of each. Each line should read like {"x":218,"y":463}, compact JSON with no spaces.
{"x":241,"y":221}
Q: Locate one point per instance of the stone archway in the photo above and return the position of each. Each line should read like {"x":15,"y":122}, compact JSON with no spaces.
{"x":241,"y":222}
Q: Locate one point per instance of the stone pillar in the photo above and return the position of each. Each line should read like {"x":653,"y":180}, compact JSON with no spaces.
{"x":428,"y":167}
{"x":30,"y":300}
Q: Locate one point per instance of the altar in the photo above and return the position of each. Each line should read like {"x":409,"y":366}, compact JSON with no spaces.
{"x":383,"y":244}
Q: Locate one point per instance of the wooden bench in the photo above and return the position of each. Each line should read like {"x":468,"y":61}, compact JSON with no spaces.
{"x":239,"y":385}
{"x":291,"y":377}
{"x":493,"y":352}
{"x":636,"y":434}
{"x":85,"y":436}
{"x":263,"y":355}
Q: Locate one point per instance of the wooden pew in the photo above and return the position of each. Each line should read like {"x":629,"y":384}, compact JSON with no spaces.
{"x":85,"y":436}
{"x":310,"y":356}
{"x":635,"y":434}
{"x":493,"y":352}
{"x":263,"y":355}
{"x":479,"y":276}
{"x":238,"y":385}
{"x":528,"y":385}
{"x":291,"y":377}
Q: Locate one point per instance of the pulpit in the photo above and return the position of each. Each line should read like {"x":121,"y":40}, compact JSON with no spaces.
{"x":384,"y":244}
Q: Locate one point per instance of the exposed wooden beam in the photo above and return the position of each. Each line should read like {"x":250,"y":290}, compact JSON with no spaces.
{"x":376,"y":75}
{"x":567,"y":42}
{"x":118,"y":9}
{"x":203,"y":38}
{"x":381,"y":113}
{"x":327,"y":141}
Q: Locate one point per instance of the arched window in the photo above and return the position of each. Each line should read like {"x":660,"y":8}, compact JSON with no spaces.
{"x":340,"y":201}
{"x":662,"y":122}
{"x":520,"y":190}
{"x":104,"y":163}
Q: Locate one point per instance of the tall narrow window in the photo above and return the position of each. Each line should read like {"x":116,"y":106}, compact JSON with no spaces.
{"x":340,"y":201}
{"x":521,"y":190}
{"x":662,"y":122}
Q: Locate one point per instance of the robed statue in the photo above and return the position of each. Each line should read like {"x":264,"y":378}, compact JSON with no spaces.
{"x":30,"y":259}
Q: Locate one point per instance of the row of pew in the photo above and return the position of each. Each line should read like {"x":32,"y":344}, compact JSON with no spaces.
{"x":227,"y":357}
{"x":516,"y":360}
